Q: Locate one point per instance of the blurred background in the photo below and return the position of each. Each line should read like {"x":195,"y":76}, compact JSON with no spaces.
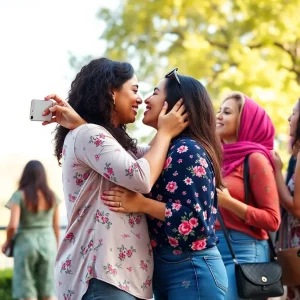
{"x":247,"y":45}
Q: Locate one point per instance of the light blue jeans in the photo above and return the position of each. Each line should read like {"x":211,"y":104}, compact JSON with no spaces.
{"x":247,"y":250}
{"x":195,"y":275}
{"x":100,"y":290}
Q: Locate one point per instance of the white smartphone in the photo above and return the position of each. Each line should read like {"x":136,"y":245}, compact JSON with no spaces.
{"x":37,"y":108}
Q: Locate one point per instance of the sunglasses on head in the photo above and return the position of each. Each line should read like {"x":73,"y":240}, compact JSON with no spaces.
{"x":173,"y":74}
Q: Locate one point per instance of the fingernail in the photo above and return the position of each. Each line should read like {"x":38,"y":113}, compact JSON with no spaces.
{"x":165,"y":103}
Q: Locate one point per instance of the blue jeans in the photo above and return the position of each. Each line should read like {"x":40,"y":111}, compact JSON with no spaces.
{"x":247,"y":250}
{"x":191,"y":275}
{"x":100,"y":290}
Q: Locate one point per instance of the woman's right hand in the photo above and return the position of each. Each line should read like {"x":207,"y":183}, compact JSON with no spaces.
{"x":175,"y":121}
{"x":62,"y":113}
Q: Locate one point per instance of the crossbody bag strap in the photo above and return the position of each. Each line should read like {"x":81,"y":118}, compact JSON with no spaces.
{"x":225,"y":232}
{"x":247,"y":189}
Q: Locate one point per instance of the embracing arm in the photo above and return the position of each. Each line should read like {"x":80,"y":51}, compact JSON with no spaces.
{"x":95,"y":147}
{"x":169,"y":125}
{"x":188,"y":187}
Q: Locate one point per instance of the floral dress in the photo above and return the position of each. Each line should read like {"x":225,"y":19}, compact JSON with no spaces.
{"x":34,"y":251}
{"x":112,"y":247}
{"x":187,"y":186}
{"x":290,"y":237}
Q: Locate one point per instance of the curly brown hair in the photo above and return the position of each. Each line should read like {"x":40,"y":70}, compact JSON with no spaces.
{"x":91,"y":97}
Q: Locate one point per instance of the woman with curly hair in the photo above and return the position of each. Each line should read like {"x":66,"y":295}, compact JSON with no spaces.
{"x":182,"y":205}
{"x":105,"y":255}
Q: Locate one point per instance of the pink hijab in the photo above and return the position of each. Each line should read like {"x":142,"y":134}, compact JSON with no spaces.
{"x":256,"y":134}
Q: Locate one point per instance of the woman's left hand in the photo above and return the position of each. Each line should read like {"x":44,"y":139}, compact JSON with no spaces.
{"x":223,"y":197}
{"x":120,"y":199}
{"x":4,"y":247}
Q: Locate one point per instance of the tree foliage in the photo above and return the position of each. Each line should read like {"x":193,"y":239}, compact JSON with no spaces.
{"x":248,"y":45}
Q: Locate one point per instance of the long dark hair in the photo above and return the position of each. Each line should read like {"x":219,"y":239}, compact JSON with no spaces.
{"x":33,"y":180}
{"x":202,"y":119}
{"x":91,"y":97}
{"x":296,"y":141}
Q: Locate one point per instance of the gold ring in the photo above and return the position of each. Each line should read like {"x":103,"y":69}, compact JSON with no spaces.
{"x":119,"y":204}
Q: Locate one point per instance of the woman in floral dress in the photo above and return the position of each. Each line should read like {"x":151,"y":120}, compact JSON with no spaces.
{"x":182,"y":205}
{"x":290,"y":196}
{"x":106,"y":255}
{"x":34,"y":226}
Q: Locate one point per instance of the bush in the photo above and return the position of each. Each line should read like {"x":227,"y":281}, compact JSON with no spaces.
{"x":5,"y":284}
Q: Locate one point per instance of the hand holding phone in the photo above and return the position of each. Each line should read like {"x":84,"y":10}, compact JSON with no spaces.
{"x":62,"y":113}
{"x":37,"y":108}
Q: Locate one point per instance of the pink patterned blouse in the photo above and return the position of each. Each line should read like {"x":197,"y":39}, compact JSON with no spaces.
{"x":112,"y":247}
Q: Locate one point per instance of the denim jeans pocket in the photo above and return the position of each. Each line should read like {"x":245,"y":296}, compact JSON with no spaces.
{"x":241,"y":238}
{"x":170,"y":258}
{"x":218,"y":271}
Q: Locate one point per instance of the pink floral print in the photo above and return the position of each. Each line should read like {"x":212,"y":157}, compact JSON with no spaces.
{"x":134,"y":219}
{"x":81,"y":178}
{"x":187,"y":186}
{"x":144,"y":265}
{"x":103,"y":218}
{"x":171,"y":186}
{"x":111,"y":270}
{"x":130,"y":171}
{"x":81,"y":212}
{"x":96,"y":238}
{"x":199,"y":245}
{"x":66,"y":266}
{"x":109,"y":172}
{"x":97,"y":140}
{"x":124,"y":286}
{"x":168,"y":163}
{"x":125,"y":253}
{"x":70,"y":237}
{"x":147,"y":283}
{"x":68,"y":296}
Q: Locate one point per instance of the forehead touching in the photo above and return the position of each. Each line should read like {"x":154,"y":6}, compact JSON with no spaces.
{"x":133,"y":82}
{"x":230,"y":104}
{"x":296,"y":107}
{"x":161,"y":85}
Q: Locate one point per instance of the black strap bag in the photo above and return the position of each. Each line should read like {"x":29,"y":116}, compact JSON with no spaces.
{"x":255,"y":280}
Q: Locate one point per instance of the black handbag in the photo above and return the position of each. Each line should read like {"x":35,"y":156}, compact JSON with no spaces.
{"x":255,"y":280}
{"x":9,"y":252}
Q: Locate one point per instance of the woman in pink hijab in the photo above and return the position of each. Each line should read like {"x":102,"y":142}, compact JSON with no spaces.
{"x":246,"y":131}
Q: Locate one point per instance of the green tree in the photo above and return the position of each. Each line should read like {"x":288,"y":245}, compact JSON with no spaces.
{"x":247,"y":45}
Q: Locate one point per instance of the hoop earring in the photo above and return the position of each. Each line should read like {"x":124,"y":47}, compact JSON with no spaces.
{"x":113,"y":98}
